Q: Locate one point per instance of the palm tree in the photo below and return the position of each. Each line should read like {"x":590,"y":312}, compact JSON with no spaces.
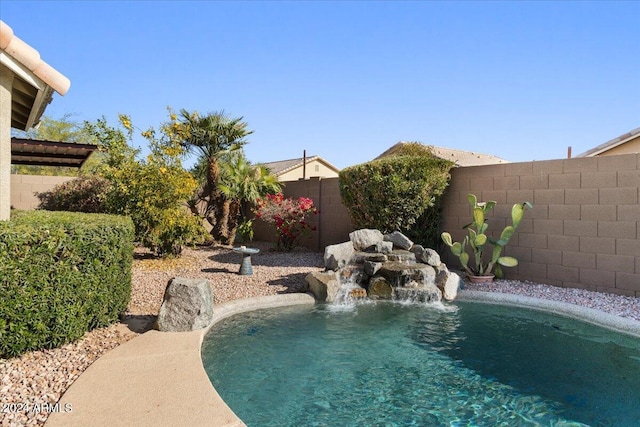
{"x":212,"y":136}
{"x":242,"y":183}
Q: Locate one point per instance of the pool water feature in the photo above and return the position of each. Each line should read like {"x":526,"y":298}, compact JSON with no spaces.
{"x":415,"y":365}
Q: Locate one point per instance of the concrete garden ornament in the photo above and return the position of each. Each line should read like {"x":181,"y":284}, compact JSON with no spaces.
{"x":485,"y":266}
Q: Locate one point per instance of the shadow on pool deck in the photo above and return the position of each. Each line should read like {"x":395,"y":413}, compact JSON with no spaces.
{"x":157,"y":379}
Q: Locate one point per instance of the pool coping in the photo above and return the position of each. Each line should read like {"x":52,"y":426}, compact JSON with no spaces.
{"x":160,"y":379}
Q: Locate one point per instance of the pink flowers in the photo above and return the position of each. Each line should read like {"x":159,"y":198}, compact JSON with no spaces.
{"x":289,"y":217}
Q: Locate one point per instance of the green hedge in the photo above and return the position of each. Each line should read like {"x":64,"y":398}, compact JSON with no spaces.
{"x":61,"y":275}
{"x":397,"y":193}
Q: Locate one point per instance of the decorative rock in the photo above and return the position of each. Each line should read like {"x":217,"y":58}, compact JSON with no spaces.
{"x":417,"y":293}
{"x":442,"y":275}
{"x":450,"y":287}
{"x":379,"y":288}
{"x":337,"y":256}
{"x":384,"y":247}
{"x":323,"y":284}
{"x":360,"y":257}
{"x":427,"y":256}
{"x":187,"y":305}
{"x":402,"y":256}
{"x":400,"y":273}
{"x":358,"y":293}
{"x":371,"y":268}
{"x":365,"y":238}
{"x":399,"y":240}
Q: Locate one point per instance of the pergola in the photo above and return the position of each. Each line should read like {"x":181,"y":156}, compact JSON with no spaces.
{"x":27,"y":84}
{"x":35,"y":152}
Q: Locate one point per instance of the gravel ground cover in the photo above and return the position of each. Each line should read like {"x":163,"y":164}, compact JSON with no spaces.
{"x":30,"y":385}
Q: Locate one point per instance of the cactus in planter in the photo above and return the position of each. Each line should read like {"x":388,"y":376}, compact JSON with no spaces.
{"x":479,"y":241}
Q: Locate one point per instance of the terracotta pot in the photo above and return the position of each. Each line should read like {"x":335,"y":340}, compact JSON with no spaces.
{"x":481,"y":279}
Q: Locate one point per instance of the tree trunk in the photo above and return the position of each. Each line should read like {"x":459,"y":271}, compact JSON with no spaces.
{"x":220,"y":231}
{"x":234,"y":218}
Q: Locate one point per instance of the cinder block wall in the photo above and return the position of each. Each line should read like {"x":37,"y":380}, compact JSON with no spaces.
{"x":332,"y":223}
{"x":583,"y":232}
{"x":584,"y":229}
{"x":24,"y":187}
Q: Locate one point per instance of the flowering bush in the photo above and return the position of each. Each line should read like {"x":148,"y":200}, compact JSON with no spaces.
{"x":289,"y":217}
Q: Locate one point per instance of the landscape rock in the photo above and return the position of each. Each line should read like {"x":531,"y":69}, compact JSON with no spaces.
{"x":419,"y":293}
{"x":450,"y":287}
{"x":365,"y":238}
{"x":360,"y":257}
{"x":371,"y":268}
{"x":379,"y":288}
{"x":323,"y":284}
{"x":399,"y":240}
{"x":401,"y":273}
{"x":426,"y":255}
{"x":402,"y":256}
{"x":384,"y":247}
{"x":187,"y":305}
{"x":338,"y":256}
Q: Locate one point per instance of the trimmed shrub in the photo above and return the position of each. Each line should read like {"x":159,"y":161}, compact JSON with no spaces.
{"x":61,"y":275}
{"x":86,"y":193}
{"x":397,"y":193}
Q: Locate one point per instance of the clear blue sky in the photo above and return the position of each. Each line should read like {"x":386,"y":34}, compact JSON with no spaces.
{"x":347,"y":80}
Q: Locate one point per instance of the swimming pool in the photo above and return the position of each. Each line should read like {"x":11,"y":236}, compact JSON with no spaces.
{"x":393,"y":364}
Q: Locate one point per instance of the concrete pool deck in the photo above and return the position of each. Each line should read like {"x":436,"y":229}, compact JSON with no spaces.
{"x":157,"y":379}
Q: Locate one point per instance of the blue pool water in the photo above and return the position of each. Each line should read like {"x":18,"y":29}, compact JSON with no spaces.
{"x":389,"y":364}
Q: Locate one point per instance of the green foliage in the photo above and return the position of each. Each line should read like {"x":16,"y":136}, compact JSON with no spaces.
{"x":479,"y":241}
{"x":242,"y":184}
{"x":245,"y":231}
{"x":152,"y":191}
{"x":396,"y":193}
{"x":61,"y":274}
{"x":212,"y":137}
{"x":86,"y":193}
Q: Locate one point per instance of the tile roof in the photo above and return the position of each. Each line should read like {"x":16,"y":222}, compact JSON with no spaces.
{"x":611,"y":144}
{"x":459,"y":157}
{"x":283,"y":166}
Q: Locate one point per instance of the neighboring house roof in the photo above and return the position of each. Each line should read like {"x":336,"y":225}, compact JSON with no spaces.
{"x":281,"y":167}
{"x":615,"y":142}
{"x":33,"y":82}
{"x":34,"y":152}
{"x":459,"y":157}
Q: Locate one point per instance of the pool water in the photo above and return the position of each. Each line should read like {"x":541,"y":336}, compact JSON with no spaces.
{"x":389,"y":364}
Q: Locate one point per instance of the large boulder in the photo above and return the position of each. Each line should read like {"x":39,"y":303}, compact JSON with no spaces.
{"x":324,"y":285}
{"x":399,"y":240}
{"x":365,"y":238}
{"x":187,"y":305}
{"x":338,"y":256}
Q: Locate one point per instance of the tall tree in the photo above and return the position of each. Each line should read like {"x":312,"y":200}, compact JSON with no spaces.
{"x":211,"y":136}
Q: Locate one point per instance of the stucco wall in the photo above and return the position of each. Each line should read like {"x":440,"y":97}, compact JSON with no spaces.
{"x":24,"y":187}
{"x":332,"y":223}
